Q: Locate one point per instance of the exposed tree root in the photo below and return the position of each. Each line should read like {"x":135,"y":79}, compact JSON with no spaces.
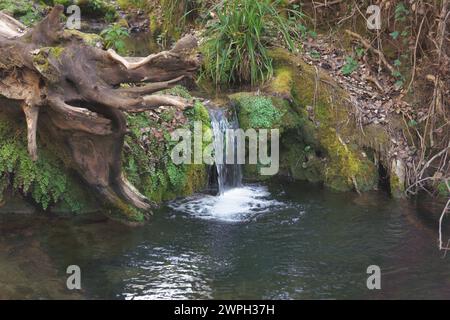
{"x":74,"y":90}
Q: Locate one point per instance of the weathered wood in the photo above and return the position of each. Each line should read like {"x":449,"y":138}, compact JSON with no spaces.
{"x":74,"y":90}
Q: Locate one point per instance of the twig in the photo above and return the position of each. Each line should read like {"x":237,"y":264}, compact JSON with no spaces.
{"x":368,"y":46}
{"x":415,"y":55}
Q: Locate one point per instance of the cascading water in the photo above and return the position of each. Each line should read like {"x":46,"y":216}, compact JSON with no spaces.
{"x":234,"y":202}
{"x":229,"y":176}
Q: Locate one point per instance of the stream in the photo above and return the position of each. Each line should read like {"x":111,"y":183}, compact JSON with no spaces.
{"x":277,"y":241}
{"x":281,"y":240}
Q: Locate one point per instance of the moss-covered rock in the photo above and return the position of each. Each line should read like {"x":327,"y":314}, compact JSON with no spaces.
{"x":256,"y":111}
{"x":147,"y":159}
{"x":319,"y":139}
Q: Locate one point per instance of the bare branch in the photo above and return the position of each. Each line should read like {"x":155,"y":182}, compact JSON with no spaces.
{"x":31,"y":116}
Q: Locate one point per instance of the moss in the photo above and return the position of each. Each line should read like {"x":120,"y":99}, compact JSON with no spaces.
{"x":196,"y":178}
{"x":396,"y":187}
{"x":318,"y":141}
{"x":46,"y":181}
{"x":89,"y":39}
{"x":56,"y":52}
{"x":256,"y":112}
{"x":46,"y":62}
{"x":147,"y":162}
{"x":282,"y":81}
{"x":345,"y":169}
{"x":179,"y":91}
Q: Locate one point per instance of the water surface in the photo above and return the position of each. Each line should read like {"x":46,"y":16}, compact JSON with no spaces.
{"x":282,"y":241}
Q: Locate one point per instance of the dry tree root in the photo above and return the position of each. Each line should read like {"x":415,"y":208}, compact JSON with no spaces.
{"x":74,"y":91}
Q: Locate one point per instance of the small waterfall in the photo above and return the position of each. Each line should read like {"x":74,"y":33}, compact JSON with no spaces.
{"x":235,"y":202}
{"x":229,"y":176}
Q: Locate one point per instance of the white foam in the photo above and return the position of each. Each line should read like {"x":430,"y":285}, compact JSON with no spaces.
{"x":235,"y":205}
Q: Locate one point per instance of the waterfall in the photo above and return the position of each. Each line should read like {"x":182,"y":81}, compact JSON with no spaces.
{"x":228,"y":175}
{"x":235,"y":202}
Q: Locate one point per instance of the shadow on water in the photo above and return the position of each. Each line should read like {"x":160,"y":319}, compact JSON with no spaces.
{"x":307,"y":243}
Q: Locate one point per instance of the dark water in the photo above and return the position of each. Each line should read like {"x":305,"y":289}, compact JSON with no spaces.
{"x":298,"y":242}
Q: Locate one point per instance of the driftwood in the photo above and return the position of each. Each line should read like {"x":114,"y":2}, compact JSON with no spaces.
{"x":71,"y":91}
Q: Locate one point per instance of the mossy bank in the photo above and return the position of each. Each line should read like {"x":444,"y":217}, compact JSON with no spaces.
{"x":319,"y":137}
{"x":49,"y":185}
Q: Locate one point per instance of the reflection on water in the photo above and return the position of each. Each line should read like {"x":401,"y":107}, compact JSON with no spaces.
{"x":288,"y":241}
{"x":166,"y":274}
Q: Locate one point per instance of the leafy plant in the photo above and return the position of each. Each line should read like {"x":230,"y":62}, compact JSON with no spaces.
{"x":315,"y":54}
{"x":350,"y":66}
{"x":114,"y":36}
{"x":24,"y":10}
{"x":360,"y":52}
{"x":400,"y":12}
{"x":236,"y":49}
{"x":400,"y":78}
{"x":394,"y":34}
{"x":111,"y":16}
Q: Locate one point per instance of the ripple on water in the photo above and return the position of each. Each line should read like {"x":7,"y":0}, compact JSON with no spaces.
{"x":235,"y":205}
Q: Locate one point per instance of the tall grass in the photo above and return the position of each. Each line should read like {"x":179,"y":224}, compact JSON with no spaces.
{"x":236,"y":49}
{"x":176,"y":13}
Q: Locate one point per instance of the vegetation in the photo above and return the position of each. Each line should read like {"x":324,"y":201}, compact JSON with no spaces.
{"x":236,"y":49}
{"x":46,"y":182}
{"x":350,"y":66}
{"x":257,"y":112}
{"x":114,"y":36}
{"x":24,"y":10}
{"x":320,"y":140}
{"x":147,"y":161}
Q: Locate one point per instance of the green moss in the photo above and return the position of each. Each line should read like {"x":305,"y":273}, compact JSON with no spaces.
{"x":46,"y":62}
{"x":90,"y":39}
{"x":256,"y":112}
{"x":56,"y":52}
{"x":282,"y":81}
{"x":147,"y":162}
{"x":319,"y":142}
{"x":47,"y":181}
{"x":346,"y":169}
{"x":179,"y":91}
{"x":396,"y":186}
